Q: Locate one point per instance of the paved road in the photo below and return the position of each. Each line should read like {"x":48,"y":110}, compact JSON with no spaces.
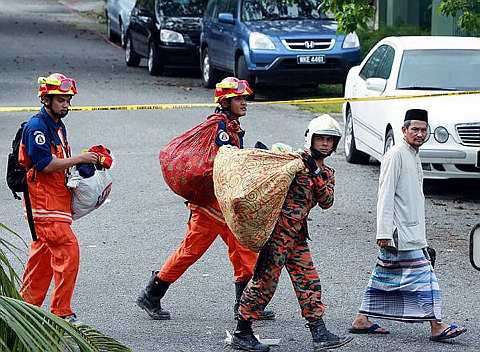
{"x":134,"y":233}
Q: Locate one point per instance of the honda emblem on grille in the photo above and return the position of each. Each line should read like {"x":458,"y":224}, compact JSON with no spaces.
{"x":309,"y":44}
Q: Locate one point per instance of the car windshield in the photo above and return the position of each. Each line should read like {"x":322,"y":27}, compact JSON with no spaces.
{"x":271,"y":10}
{"x":182,"y":8}
{"x":440,"y":69}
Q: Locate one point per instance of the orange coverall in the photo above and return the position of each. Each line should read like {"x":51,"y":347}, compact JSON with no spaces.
{"x":206,"y":223}
{"x":56,"y":252}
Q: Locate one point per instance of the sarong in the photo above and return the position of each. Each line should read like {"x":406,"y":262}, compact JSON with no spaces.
{"x":402,"y":287}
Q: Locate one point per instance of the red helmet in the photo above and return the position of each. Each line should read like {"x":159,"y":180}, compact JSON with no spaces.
{"x":56,"y":83}
{"x":231,"y":87}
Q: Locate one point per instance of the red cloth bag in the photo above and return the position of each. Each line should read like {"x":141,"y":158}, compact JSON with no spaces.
{"x":187,"y":161}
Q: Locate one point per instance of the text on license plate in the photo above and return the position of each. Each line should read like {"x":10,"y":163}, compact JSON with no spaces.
{"x":311,"y":59}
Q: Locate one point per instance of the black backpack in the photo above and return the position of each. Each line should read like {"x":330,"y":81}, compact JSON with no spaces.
{"x":17,"y":178}
{"x":16,"y":173}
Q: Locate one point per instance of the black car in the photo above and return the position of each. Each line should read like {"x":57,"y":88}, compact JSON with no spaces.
{"x":166,"y":32}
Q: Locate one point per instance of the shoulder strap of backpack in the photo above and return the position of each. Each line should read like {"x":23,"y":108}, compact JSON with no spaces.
{"x":28,"y":207}
{"x":26,"y":195}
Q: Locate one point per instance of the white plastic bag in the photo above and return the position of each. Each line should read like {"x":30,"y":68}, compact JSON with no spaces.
{"x":90,"y":193}
{"x":269,"y":342}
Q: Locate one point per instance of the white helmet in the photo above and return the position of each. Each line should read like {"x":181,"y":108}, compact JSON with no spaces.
{"x":324,"y":125}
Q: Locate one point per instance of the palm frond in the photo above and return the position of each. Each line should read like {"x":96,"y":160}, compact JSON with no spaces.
{"x":6,"y":228}
{"x":39,"y":330}
{"x":9,"y":279}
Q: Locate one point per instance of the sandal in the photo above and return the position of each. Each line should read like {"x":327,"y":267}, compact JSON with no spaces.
{"x":373,"y":329}
{"x":450,"y":332}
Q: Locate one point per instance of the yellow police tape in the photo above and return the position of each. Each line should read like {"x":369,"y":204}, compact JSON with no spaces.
{"x":204,"y":105}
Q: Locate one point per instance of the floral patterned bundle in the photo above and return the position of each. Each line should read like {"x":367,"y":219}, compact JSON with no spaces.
{"x":251,"y":186}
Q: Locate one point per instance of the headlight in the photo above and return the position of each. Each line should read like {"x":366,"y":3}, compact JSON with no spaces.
{"x":351,"y":41}
{"x":168,"y":36}
{"x":260,"y":41}
{"x":441,"y":134}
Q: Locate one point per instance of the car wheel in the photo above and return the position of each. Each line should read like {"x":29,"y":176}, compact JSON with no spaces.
{"x":209,"y":74}
{"x":352,"y":155}
{"x":243,"y":73}
{"x":389,"y":141}
{"x":155,"y":67}
{"x":131,"y":57}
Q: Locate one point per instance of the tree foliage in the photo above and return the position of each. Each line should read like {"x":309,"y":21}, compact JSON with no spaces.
{"x":469,"y":20}
{"x":350,"y":14}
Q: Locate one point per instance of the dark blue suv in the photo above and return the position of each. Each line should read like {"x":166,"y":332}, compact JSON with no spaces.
{"x":274,"y":42}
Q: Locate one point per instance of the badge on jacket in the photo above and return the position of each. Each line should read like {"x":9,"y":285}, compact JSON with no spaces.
{"x":39,"y":137}
{"x":223,"y":136}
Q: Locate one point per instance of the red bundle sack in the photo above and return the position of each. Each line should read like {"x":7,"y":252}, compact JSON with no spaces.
{"x":187,"y":162}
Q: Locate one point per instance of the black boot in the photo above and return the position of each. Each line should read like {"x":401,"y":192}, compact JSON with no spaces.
{"x":324,"y":339}
{"x":150,"y":297}
{"x":243,"y":338}
{"x":239,"y":287}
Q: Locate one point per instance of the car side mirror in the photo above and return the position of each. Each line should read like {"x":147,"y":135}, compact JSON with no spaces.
{"x":376,"y":84}
{"x":475,"y":246}
{"x":226,"y":18}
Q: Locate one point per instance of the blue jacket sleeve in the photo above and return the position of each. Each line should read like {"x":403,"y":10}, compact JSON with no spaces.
{"x":37,"y":142}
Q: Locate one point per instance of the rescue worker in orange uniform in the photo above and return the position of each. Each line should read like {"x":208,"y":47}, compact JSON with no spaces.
{"x":207,"y":222}
{"x":287,"y":246}
{"x":45,"y":153}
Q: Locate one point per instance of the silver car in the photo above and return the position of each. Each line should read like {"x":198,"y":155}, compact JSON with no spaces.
{"x":117,"y":13}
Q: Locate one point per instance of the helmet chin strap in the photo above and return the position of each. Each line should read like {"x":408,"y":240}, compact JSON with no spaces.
{"x":48,"y":105}
{"x":226,"y":111}
{"x":61,"y":116}
{"x":317,"y":155}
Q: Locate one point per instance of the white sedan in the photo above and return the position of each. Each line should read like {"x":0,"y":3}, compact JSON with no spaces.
{"x":117,"y":13}
{"x":400,"y":66}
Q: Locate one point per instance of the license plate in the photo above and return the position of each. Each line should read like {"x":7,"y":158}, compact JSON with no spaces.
{"x":310,"y":59}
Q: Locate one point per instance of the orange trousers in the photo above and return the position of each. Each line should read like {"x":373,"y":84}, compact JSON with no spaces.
{"x":54,"y":254}
{"x":202,"y":231}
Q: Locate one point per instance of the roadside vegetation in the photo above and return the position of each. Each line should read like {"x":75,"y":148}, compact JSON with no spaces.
{"x":368,"y":38}
{"x":326,"y":91}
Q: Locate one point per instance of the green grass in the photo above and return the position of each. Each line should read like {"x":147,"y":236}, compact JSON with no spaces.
{"x":325,"y":91}
{"x":323,"y":108}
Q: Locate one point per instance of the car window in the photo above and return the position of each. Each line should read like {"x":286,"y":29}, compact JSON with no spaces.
{"x":227,"y":6}
{"x":146,"y":5}
{"x":372,"y":64}
{"x":257,"y":10}
{"x":210,"y":9}
{"x":181,"y":8}
{"x":385,"y":67}
{"x":447,"y":69}
{"x":139,"y":3}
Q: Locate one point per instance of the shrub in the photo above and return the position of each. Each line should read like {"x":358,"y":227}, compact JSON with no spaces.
{"x":368,"y":39}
